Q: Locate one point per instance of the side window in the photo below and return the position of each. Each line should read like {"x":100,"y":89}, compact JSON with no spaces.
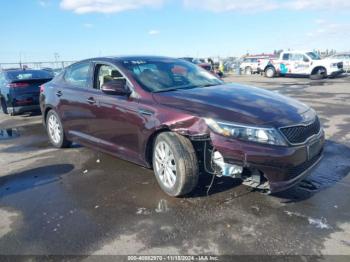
{"x":78,"y":75}
{"x":105,"y":74}
{"x":285,"y":56}
{"x":296,"y":57}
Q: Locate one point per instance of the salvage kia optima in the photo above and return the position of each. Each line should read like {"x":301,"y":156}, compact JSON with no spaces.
{"x":180,"y":120}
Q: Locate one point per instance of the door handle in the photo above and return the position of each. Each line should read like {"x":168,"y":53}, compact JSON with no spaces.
{"x":59,"y":93}
{"x":145,"y":112}
{"x":91,"y":100}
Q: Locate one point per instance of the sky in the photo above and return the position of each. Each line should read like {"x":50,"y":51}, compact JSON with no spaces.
{"x":45,"y":30}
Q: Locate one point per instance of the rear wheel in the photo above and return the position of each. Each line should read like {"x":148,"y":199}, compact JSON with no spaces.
{"x":55,"y":130}
{"x":3,"y":106}
{"x":270,"y":72}
{"x":318,"y":73}
{"x":175,"y":164}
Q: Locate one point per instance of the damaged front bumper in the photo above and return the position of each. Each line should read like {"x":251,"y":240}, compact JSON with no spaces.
{"x":274,"y":168}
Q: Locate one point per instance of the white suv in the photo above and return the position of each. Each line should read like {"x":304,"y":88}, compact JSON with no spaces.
{"x":303,"y":63}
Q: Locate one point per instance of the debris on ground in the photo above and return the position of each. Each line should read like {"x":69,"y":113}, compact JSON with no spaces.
{"x":142,"y":211}
{"x":318,"y":222}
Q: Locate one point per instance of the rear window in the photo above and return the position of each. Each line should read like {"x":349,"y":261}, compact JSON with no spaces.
{"x":29,"y":74}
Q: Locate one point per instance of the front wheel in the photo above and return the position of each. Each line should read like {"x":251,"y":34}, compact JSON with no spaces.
{"x":319,"y":73}
{"x":175,"y":164}
{"x":55,"y":130}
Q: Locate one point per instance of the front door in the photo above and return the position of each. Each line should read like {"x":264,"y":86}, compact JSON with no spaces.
{"x":118,"y":122}
{"x":300,"y":64}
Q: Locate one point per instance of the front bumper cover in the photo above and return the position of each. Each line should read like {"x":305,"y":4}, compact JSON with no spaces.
{"x":282,"y":166}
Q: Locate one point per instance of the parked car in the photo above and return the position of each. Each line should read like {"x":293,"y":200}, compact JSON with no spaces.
{"x":175,"y":117}
{"x":199,"y":62}
{"x":345,"y":58}
{"x":19,"y":89}
{"x":213,"y":68}
{"x":303,"y":63}
{"x":250,"y":64}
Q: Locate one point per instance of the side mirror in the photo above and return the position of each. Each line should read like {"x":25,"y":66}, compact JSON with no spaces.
{"x":306,"y":60}
{"x":116,"y":87}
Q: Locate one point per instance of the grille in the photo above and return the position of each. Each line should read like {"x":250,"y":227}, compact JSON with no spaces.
{"x":340,"y":65}
{"x":297,"y":170}
{"x":299,"y":134}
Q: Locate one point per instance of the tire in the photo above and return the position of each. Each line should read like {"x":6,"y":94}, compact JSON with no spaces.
{"x":318,"y":73}
{"x":4,"y":106}
{"x":270,"y":72}
{"x":55,"y":131}
{"x":248,"y":70}
{"x":183,"y":162}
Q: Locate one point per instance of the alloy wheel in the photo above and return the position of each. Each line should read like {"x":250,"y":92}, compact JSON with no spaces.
{"x":54,"y":128}
{"x":165,"y":164}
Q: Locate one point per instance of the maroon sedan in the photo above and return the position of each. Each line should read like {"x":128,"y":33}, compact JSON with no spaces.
{"x":180,"y":120}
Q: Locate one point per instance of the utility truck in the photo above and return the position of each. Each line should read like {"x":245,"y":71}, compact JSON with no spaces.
{"x":302,"y":63}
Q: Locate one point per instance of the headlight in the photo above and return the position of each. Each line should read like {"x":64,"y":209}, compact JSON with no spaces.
{"x":334,"y":65}
{"x":247,"y":133}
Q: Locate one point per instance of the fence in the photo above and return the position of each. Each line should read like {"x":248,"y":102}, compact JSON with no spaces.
{"x":36,"y":65}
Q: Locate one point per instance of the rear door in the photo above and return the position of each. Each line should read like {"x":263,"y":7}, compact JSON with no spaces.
{"x":285,"y":65}
{"x":77,"y":102}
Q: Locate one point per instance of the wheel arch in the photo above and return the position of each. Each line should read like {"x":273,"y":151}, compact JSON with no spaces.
{"x":47,"y":109}
{"x":313,"y":71}
{"x":269,"y":66}
{"x":150,"y":144}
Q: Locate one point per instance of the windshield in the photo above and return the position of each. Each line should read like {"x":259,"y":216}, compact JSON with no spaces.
{"x":160,"y":75}
{"x":29,"y":74}
{"x":313,"y":56}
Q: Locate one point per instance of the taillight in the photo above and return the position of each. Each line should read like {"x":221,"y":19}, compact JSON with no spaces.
{"x":42,"y":87}
{"x":18,"y":85}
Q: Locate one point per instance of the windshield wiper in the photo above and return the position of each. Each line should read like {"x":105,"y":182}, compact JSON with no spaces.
{"x":166,"y":90}
{"x":208,"y":85}
{"x":174,"y":89}
{"x":183,"y":88}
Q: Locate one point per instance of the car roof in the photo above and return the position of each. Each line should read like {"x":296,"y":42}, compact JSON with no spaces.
{"x":23,"y":70}
{"x":124,"y":58}
{"x":298,"y":51}
{"x":345,"y":53}
{"x":10,"y":69}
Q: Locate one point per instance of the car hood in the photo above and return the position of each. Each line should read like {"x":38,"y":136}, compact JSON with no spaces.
{"x":236,"y":103}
